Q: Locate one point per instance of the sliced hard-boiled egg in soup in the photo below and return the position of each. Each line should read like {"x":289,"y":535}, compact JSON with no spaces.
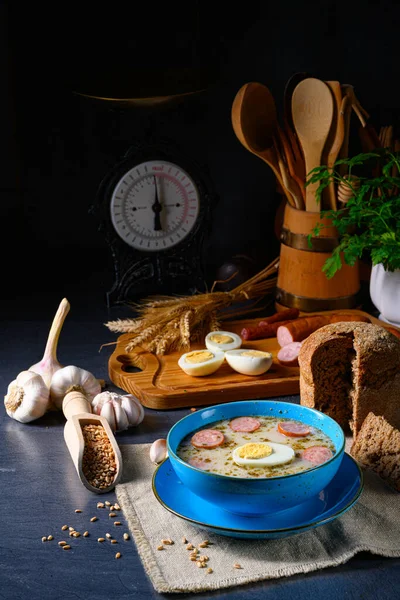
{"x":223,"y":341}
{"x":262,"y":454}
{"x":249,"y":362}
{"x":199,"y":363}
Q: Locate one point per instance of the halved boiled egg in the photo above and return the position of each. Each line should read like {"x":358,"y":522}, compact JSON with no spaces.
{"x":262,"y":454}
{"x":199,"y":363}
{"x":249,"y":362}
{"x":223,"y":341}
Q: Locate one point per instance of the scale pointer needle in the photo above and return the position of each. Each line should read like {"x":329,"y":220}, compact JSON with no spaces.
{"x":157,"y":208}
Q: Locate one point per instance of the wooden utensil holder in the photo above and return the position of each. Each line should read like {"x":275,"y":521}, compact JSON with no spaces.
{"x":301,"y":282}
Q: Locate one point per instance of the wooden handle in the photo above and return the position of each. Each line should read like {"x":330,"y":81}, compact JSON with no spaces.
{"x":336,"y":136}
{"x":290,"y":184}
{"x":75,"y":403}
{"x":291,"y":162}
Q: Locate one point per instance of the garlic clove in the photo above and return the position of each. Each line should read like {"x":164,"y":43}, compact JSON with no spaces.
{"x":70,"y":379}
{"x":121,"y":418}
{"x":27,"y":397}
{"x":49,"y":363}
{"x":133,"y":408}
{"x":158,"y":451}
{"x":107,"y":411}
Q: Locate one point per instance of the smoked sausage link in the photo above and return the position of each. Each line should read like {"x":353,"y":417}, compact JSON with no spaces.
{"x":283,"y":315}
{"x":267,"y":327}
{"x":262,"y":330}
{"x":300,"y":329}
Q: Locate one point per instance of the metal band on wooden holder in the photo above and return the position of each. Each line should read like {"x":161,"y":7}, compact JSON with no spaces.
{"x":299,"y":241}
{"x":314,"y":304}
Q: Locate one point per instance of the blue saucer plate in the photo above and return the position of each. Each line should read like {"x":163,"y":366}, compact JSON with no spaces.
{"x":332,"y":502}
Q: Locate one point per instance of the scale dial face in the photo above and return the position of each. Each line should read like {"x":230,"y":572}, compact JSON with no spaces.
{"x":154,"y":206}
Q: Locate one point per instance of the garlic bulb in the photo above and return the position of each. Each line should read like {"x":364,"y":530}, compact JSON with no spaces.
{"x":121,"y":412}
{"x":73,"y":379}
{"x":27,"y":397}
{"x":158,"y":451}
{"x":49,"y":363}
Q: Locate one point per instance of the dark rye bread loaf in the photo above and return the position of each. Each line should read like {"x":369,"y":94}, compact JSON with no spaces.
{"x":377,"y":447}
{"x":350,"y":369}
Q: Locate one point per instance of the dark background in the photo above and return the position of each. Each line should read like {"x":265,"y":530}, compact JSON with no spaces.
{"x":56,"y":146}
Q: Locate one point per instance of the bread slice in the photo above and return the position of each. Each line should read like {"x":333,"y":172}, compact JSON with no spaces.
{"x":377,"y":447}
{"x":350,"y":369}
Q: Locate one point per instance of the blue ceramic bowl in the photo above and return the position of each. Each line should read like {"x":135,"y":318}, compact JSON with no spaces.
{"x":255,"y":496}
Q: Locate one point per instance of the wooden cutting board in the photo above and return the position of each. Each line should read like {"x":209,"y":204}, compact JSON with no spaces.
{"x":162,"y":385}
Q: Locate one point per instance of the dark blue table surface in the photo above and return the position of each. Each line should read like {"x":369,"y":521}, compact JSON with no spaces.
{"x":40,"y":489}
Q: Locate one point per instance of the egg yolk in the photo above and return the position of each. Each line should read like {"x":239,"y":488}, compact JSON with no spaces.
{"x":220,"y":338}
{"x":198,"y":357}
{"x":256,"y":353}
{"x":254,"y":451}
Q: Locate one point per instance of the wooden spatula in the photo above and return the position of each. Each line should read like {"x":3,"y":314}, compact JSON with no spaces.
{"x":312,"y":113}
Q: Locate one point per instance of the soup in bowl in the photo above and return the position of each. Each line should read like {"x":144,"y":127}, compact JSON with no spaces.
{"x":256,"y":456}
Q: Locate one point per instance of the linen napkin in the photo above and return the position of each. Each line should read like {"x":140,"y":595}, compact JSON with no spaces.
{"x":372,"y":524}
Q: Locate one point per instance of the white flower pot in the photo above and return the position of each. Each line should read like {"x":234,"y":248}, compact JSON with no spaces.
{"x":384,"y":289}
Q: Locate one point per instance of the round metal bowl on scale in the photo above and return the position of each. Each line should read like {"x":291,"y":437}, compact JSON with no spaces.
{"x":142,"y":88}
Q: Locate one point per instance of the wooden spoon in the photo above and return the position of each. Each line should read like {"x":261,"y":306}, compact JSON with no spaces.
{"x":312,"y":111}
{"x":291,"y":84}
{"x":254,"y":122}
{"x":77,"y":410}
{"x":335,"y":137}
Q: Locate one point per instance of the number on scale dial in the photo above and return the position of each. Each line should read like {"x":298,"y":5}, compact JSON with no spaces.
{"x":154,"y":206}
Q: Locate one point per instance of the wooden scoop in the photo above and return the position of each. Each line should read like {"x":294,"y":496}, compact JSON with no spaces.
{"x":77,"y":410}
{"x":254,"y":122}
{"x":312,"y":113}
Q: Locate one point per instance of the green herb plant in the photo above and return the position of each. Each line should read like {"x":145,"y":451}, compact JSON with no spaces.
{"x":369,"y":223}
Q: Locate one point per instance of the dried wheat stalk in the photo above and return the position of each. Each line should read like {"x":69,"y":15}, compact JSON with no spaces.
{"x":167,"y":323}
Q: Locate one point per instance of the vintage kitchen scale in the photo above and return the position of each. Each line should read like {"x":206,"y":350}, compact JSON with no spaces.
{"x":154,"y":206}
{"x":155,"y":212}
